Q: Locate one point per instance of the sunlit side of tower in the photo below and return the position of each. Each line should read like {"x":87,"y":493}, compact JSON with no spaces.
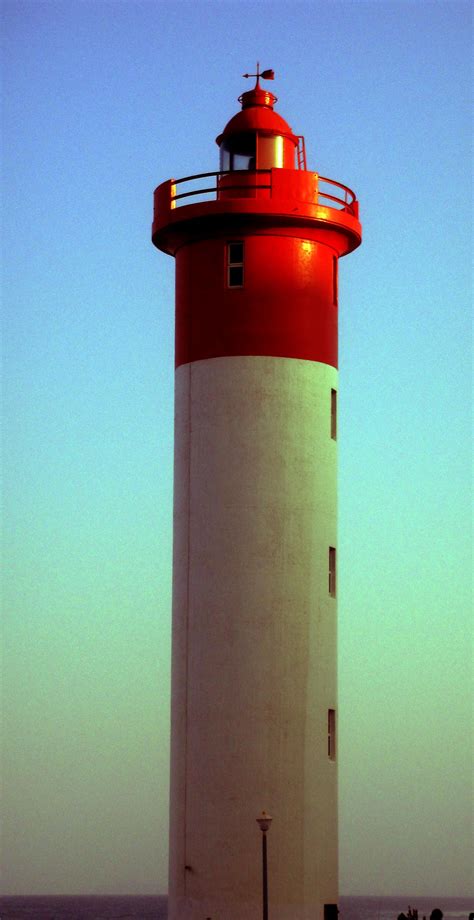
{"x":254,"y":685}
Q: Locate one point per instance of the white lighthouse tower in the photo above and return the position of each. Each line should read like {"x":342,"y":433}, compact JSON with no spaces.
{"x":254,"y":687}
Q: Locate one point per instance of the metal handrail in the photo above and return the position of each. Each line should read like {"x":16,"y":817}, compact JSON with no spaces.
{"x":213,"y":188}
{"x":322,"y":194}
{"x":222,"y":172}
{"x":199,"y":191}
{"x":345,"y":189}
{"x":348,"y":201}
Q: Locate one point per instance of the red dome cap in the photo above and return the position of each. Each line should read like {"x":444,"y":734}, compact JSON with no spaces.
{"x":257,"y":115}
{"x":257,"y":96}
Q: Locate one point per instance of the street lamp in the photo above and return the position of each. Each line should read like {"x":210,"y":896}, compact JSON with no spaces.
{"x":264,"y":822}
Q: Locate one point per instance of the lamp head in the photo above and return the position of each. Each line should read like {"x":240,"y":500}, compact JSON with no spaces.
{"x":264,"y":822}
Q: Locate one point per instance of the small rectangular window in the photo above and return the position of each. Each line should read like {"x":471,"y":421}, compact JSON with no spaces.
{"x":332,"y":571}
{"x":332,"y":734}
{"x":236,"y":275}
{"x":235,"y":264}
{"x":236,"y":253}
{"x":334,"y":280}
{"x":334,"y":414}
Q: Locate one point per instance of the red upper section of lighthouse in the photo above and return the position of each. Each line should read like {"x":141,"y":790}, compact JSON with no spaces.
{"x":256,"y":264}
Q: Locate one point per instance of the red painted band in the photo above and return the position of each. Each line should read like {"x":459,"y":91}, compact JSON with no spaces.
{"x":286,"y":306}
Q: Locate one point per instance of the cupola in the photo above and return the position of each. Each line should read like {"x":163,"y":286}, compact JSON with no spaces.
{"x":257,"y":137}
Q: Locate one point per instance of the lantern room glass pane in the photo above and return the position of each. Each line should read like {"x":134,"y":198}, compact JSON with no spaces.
{"x":270,"y":151}
{"x":238,"y":152}
{"x":224,"y":159}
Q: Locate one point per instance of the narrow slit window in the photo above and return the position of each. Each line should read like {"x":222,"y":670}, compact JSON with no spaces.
{"x":332,"y":571}
{"x":334,"y":414}
{"x":332,"y":734}
{"x":334,"y":281}
{"x":235,"y":264}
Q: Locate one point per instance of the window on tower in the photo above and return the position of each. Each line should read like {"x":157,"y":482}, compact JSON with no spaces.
{"x":235,"y":264}
{"x":332,"y":734}
{"x":334,"y":281}
{"x":334,"y":414}
{"x":332,"y":571}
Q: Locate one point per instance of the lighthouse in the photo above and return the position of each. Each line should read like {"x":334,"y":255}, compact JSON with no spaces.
{"x":254,"y":674}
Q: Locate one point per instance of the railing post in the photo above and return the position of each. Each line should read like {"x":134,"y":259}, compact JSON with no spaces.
{"x":163,"y":200}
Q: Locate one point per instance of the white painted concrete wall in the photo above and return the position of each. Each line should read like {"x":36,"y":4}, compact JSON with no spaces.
{"x":254,"y":639}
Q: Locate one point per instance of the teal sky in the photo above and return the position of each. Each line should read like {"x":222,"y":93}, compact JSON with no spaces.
{"x":102,"y":102}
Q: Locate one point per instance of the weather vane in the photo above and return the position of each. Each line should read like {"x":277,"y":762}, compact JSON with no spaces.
{"x":265,"y":74}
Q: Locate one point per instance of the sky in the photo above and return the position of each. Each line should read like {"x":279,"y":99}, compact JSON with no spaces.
{"x":102,"y":101}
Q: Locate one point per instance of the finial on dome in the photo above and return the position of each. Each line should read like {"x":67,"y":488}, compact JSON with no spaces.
{"x":257,"y":95}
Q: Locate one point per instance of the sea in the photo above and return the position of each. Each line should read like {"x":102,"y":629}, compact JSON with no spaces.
{"x":133,"y":907}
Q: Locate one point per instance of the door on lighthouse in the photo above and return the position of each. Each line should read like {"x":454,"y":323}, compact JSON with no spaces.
{"x":331,"y":911}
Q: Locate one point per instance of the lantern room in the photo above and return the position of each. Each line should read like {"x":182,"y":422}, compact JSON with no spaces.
{"x":259,"y":138}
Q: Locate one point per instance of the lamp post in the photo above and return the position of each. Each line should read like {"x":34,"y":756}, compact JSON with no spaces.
{"x":264,"y":822}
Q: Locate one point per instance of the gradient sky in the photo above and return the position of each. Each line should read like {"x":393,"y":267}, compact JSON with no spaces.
{"x":102,"y":101}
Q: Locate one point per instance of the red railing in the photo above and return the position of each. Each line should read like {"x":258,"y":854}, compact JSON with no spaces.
{"x":330,"y":193}
{"x":347,"y":203}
